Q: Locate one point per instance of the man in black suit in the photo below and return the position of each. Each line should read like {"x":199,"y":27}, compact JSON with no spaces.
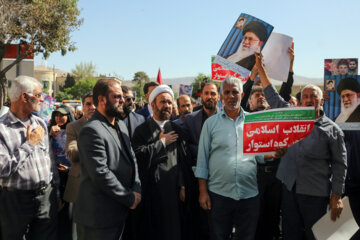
{"x":130,"y":118}
{"x":195,"y":120}
{"x":110,"y":184}
{"x":192,"y":128}
{"x":146,"y":111}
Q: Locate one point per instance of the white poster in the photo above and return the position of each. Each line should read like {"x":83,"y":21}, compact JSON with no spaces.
{"x":276,"y":57}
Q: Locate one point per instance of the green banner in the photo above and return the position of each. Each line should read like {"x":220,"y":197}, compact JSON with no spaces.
{"x":288,"y":114}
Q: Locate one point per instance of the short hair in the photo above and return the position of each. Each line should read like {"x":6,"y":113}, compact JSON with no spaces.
{"x":232,"y":81}
{"x":178,"y":101}
{"x":86,"y":95}
{"x":22,"y":84}
{"x":150,"y":84}
{"x":313,"y":87}
{"x":255,"y":89}
{"x":203,"y":84}
{"x":101,"y":88}
{"x":343,"y":62}
{"x":126,"y":89}
{"x":330,"y":81}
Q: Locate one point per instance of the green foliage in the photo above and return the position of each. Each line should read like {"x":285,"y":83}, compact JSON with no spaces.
{"x":84,"y":70}
{"x":198,"y":80}
{"x":81,"y":87}
{"x":140,"y":78}
{"x":69,"y":81}
{"x":63,"y":95}
{"x":43,"y":25}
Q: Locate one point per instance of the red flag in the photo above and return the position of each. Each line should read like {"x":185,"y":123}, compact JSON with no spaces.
{"x":158,"y":79}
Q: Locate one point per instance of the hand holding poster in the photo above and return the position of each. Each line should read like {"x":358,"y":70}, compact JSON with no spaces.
{"x":266,"y":131}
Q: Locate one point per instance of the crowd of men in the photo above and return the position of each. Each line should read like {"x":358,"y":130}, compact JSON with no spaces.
{"x":153,"y":175}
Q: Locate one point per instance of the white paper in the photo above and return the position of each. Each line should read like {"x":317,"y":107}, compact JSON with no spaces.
{"x":343,"y":228}
{"x":276,"y":58}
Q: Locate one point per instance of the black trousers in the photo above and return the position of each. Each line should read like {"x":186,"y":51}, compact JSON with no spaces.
{"x":32,"y":213}
{"x":354,"y":200}
{"x":270,"y":201}
{"x":226,"y":212}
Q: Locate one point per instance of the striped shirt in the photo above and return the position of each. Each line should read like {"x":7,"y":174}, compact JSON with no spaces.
{"x":23,"y":165}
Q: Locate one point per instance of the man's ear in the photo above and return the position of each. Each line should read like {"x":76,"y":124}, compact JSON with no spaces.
{"x":24,"y":97}
{"x":102,"y":99}
{"x":152,"y":104}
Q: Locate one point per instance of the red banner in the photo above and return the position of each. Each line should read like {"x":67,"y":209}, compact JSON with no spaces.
{"x":219,"y":73}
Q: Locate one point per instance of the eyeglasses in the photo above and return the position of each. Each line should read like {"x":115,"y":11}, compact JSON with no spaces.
{"x":249,"y":39}
{"x":128,"y":99}
{"x":39,"y":95}
{"x":118,"y":96}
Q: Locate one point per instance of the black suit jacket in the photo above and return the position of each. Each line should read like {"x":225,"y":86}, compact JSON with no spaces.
{"x":109,"y":174}
{"x":192,"y":129}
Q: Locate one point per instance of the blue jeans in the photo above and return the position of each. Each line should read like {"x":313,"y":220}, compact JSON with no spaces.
{"x":226,"y":212}
{"x":299,"y":213}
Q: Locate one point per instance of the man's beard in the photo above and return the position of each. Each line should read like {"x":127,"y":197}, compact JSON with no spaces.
{"x":113,"y":111}
{"x":243,"y":52}
{"x":209,"y":105}
{"x":347,"y":111}
{"x":163,"y":114}
{"x":127,"y":109}
{"x":261,"y":105}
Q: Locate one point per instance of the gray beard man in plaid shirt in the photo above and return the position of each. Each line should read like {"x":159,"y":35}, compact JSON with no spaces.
{"x":28,"y":177}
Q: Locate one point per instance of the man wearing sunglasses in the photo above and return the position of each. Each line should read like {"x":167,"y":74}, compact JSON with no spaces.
{"x":28,"y":177}
{"x":130,"y":118}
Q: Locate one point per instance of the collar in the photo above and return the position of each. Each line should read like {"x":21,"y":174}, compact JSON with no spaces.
{"x":161,"y":123}
{"x":240,"y":117}
{"x":14,"y":119}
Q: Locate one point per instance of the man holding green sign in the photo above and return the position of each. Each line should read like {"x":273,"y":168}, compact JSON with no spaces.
{"x":312,"y":169}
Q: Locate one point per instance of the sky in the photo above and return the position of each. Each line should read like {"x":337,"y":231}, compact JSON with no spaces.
{"x":123,"y":37}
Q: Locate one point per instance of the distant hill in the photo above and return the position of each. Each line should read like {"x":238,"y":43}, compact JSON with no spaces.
{"x":299,"y":81}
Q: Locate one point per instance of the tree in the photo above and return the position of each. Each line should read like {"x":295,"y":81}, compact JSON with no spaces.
{"x":84,"y":70}
{"x":41,"y":26}
{"x":81,"y":87}
{"x":69,"y":81}
{"x":63,"y":95}
{"x":140,"y":78}
{"x":197,"y":82}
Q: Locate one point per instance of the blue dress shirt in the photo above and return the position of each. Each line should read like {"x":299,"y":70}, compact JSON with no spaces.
{"x":221,"y":160}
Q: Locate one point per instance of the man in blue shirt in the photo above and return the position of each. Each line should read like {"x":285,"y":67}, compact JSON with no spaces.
{"x":227,"y":178}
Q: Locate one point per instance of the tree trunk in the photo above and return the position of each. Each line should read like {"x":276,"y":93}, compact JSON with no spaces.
{"x":3,"y":89}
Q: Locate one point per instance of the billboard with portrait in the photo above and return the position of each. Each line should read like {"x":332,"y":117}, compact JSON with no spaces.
{"x":342,"y":89}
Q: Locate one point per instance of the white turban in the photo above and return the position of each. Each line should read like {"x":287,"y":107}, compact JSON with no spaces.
{"x":160,"y":89}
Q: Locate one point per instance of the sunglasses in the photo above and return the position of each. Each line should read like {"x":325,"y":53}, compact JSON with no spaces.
{"x":128,"y":99}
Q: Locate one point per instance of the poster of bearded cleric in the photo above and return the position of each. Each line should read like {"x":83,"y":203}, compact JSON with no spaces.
{"x":247,"y":36}
{"x":342,"y":88}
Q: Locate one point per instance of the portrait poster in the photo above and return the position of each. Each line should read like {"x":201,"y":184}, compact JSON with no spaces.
{"x":47,"y":107}
{"x":342,"y":92}
{"x":247,"y":36}
{"x":276,"y":56}
{"x":265,"y":131}
{"x":185,"y":90}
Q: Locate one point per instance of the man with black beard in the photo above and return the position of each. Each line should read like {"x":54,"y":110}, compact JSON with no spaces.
{"x":192,"y":128}
{"x":110,"y":184}
{"x":131,"y":119}
{"x":164,"y":171}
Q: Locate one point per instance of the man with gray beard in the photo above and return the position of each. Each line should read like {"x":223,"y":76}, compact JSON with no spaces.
{"x":254,"y":35}
{"x":349,"y":92}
